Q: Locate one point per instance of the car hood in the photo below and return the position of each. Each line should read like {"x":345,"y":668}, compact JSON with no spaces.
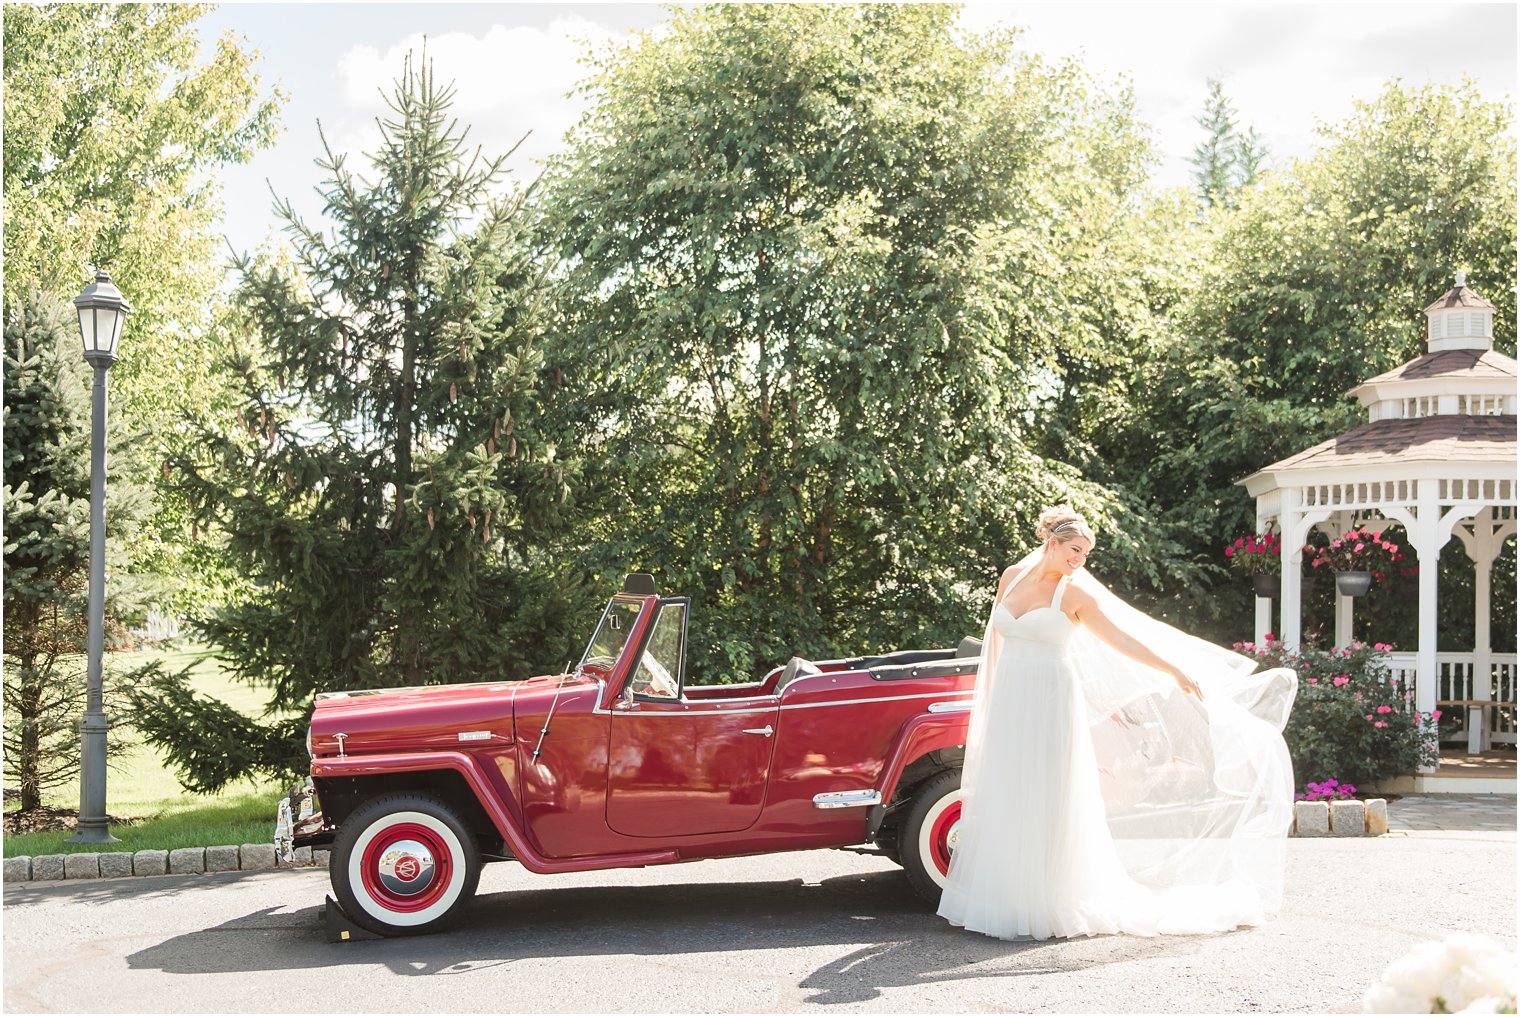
{"x":428,"y":717}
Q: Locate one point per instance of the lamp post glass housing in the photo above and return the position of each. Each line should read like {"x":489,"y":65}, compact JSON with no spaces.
{"x":101,"y":314}
{"x":102,"y":310}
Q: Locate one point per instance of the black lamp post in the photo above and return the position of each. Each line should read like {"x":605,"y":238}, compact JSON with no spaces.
{"x":101,"y":314}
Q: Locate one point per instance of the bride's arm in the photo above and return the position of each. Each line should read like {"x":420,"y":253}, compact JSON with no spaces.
{"x":1088,"y":613}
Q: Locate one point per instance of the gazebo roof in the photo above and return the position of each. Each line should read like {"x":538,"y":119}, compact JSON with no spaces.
{"x":1453,"y":438}
{"x":1448,"y":363}
{"x":1459,"y":296}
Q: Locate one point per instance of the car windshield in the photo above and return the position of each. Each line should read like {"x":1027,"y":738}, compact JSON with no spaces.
{"x":607,"y":644}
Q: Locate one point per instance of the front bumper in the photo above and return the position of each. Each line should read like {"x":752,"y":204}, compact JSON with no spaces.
{"x":298,"y":821}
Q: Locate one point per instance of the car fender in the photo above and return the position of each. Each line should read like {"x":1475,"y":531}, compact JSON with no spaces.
{"x":469,"y":768}
{"x":921,"y":735}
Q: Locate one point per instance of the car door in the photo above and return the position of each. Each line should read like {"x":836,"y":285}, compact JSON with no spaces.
{"x":677,"y":767}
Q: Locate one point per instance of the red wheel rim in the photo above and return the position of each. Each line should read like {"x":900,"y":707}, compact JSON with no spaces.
{"x":939,"y":836}
{"x":407,"y":864}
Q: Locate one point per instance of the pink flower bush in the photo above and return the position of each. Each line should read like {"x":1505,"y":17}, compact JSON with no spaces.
{"x":1353,"y":720}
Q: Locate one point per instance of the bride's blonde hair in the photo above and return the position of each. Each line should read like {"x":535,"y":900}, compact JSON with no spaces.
{"x":1063,"y":523}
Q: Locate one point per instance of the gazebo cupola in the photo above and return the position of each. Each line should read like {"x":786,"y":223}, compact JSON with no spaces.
{"x":1460,"y":320}
{"x":1460,"y":374}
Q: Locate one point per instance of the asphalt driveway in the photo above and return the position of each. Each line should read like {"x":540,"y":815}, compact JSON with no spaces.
{"x":822,"y":930}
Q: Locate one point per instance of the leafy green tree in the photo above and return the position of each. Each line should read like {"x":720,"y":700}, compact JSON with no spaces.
{"x":820,"y":264}
{"x":380,"y":490}
{"x":47,"y":517}
{"x":1313,"y":284}
{"x":114,"y":129}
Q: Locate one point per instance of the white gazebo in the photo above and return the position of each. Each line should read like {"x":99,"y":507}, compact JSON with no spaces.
{"x":1437,"y":455}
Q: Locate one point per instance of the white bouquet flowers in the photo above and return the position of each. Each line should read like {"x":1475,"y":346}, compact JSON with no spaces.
{"x":1465,"y":973}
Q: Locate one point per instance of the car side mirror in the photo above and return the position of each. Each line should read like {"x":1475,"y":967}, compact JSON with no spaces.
{"x":628,"y":702}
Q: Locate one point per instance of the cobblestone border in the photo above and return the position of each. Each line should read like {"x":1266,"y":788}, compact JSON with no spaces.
{"x":1349,"y":818}
{"x":1345,"y":818}
{"x":180,"y":861}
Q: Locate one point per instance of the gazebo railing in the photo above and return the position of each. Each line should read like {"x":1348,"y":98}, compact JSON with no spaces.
{"x":1456,"y":682}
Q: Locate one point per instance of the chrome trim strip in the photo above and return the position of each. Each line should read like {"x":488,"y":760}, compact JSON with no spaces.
{"x":950,"y":706}
{"x":873,"y":699}
{"x":689,"y":712}
{"x":807,"y":706}
{"x":704,"y":700}
{"x":846,"y":799}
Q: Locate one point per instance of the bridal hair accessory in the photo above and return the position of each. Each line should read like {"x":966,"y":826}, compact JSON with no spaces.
{"x":1070,"y":524}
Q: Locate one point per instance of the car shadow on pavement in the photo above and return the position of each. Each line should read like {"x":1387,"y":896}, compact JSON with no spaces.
{"x":906,"y":943}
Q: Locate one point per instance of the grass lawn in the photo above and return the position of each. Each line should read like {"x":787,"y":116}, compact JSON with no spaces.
{"x":141,"y":787}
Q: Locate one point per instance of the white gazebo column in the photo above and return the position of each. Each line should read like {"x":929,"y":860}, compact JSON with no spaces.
{"x":1296,"y":525}
{"x":1345,"y":607}
{"x":1427,"y":545}
{"x":1483,"y":542}
{"x":1290,"y":603}
{"x":1482,"y":553}
{"x":1263,"y":604}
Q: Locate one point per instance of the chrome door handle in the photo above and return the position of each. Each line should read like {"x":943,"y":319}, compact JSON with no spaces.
{"x":767,"y":730}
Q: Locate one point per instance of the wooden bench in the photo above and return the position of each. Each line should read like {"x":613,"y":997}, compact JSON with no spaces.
{"x":1477,"y":720}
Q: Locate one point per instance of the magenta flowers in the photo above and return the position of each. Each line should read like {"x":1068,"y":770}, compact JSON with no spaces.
{"x":1359,"y":550}
{"x":1325,"y":791}
{"x":1257,"y":554}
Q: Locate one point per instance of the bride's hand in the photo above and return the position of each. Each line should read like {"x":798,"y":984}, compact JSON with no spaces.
{"x":1189,"y":686}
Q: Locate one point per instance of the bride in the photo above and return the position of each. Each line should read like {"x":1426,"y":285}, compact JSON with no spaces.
{"x":1120,"y":775}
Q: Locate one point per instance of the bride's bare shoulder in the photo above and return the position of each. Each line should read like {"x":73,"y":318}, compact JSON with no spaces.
{"x":1078,"y":597}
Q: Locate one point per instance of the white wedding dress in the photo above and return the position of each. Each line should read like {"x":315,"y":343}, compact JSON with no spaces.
{"x":1099,"y":798}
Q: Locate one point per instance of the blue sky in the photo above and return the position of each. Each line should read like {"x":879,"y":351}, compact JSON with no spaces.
{"x":1285,"y":66}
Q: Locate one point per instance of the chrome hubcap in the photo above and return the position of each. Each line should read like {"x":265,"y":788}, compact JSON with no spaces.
{"x":406,"y":868}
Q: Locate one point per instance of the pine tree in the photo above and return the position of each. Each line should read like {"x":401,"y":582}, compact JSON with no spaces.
{"x":1228,"y":159}
{"x":1250,"y":158}
{"x":384,"y":488}
{"x":1214,"y":158}
{"x":47,"y":517}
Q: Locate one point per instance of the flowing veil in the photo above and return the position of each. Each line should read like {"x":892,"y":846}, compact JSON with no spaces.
{"x":1198,"y":795}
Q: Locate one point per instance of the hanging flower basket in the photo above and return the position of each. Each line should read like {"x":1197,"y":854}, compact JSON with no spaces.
{"x":1266,"y":585}
{"x":1353,"y":584}
{"x":1357,"y":558}
{"x":1259,"y":556}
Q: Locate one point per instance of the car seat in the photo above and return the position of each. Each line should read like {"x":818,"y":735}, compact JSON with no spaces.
{"x":796,"y":668}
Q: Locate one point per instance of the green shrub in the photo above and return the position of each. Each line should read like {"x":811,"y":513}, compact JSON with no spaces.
{"x":1352,"y":721}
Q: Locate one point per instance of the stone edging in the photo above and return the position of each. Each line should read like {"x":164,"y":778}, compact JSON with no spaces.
{"x":1342,"y":818}
{"x":180,"y":861}
{"x":1345,"y":818}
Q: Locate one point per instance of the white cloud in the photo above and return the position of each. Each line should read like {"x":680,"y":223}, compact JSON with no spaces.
{"x":508,"y":82}
{"x":1285,"y":67}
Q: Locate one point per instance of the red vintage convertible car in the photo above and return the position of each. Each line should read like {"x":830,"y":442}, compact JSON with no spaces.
{"x":625,"y":761}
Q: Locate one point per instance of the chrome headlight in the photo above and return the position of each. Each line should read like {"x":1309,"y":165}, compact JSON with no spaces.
{"x":309,"y":750}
